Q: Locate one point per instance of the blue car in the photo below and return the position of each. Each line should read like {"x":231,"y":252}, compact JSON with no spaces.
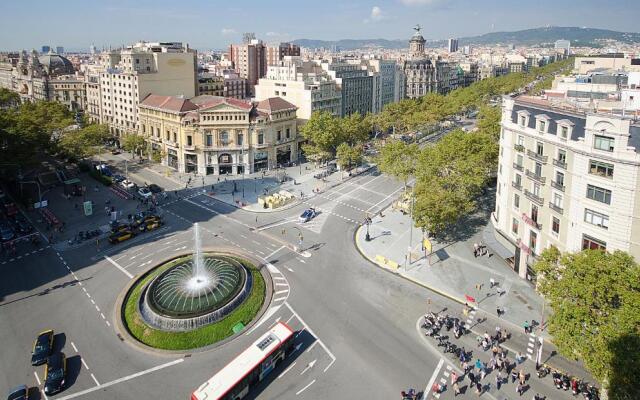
{"x":307,"y":215}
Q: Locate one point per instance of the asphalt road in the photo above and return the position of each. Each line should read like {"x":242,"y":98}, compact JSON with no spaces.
{"x":355,"y":323}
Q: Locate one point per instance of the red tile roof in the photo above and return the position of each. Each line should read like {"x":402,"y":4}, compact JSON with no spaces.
{"x":205,"y":101}
{"x":168,"y":103}
{"x":275,"y":104}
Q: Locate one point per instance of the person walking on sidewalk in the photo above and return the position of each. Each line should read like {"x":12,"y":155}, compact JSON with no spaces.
{"x":526,"y":326}
{"x":456,"y":389}
{"x":522,"y":377}
{"x":454,"y":378}
{"x":498,"y":381}
{"x":520,"y":389}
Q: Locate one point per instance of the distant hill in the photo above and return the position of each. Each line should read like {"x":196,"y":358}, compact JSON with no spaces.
{"x":537,"y":36}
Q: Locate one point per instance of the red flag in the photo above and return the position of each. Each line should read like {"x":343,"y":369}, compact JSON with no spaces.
{"x":469,"y":298}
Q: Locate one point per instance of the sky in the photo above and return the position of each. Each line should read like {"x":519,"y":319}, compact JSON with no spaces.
{"x":213,"y":24}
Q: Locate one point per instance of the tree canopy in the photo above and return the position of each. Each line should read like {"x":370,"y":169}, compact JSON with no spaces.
{"x":398,"y":159}
{"x":324,"y":133}
{"x":348,"y":156}
{"x":8,"y":98}
{"x":84,"y":142}
{"x":133,"y":143}
{"x":595,"y":297}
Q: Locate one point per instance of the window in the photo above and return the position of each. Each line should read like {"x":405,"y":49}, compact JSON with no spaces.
{"x":536,"y":189}
{"x":596,"y":218}
{"x":518,"y":179}
{"x":542,"y":126}
{"x":288,"y":133}
{"x":538,"y":169}
{"x":599,"y":194}
{"x":514,"y":226}
{"x":175,"y":137}
{"x":562,"y":156}
{"x":520,"y":140}
{"x":240,"y":139}
{"x":260,"y":138}
{"x":592,"y":243}
{"x":516,"y":201}
{"x":555,"y":225}
{"x":560,"y":178}
{"x":189,"y":140}
{"x":539,"y":149}
{"x":603,"y":143}
{"x":533,"y":240}
{"x":523,"y":120}
{"x":564,"y":132}
{"x":224,"y":138}
{"x":601,"y":169}
{"x":519,"y":160}
{"x":534,"y":213}
{"x":557,"y":200}
{"x":279,"y":135}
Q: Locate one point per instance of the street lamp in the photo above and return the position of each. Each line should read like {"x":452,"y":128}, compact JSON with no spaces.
{"x":367,"y":222}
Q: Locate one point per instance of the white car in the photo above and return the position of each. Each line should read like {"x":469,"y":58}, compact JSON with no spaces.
{"x":144,"y":192}
{"x":127,"y":184}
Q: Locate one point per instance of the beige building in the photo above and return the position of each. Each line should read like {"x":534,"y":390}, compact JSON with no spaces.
{"x":211,"y":85}
{"x":218,"y":135}
{"x":568,"y":178}
{"x":302,"y":83}
{"x":275,"y":54}
{"x":250,"y":61}
{"x":583,"y":65}
{"x":127,"y":76}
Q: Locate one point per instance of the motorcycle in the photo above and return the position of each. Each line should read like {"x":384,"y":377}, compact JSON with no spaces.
{"x":557,"y":379}
{"x":542,"y":372}
{"x":566,"y":383}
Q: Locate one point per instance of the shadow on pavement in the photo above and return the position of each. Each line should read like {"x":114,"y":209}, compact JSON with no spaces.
{"x":74,"y":364}
{"x":59,"y":341}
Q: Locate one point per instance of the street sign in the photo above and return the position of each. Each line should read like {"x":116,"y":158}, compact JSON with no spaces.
{"x":88,"y":208}
{"x":41,"y":204}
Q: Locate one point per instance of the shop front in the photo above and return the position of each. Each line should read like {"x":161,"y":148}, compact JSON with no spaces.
{"x":260,"y":161}
{"x":225,"y":164}
{"x":190,"y":163}
{"x":172,"y":158}
{"x":283,"y":155}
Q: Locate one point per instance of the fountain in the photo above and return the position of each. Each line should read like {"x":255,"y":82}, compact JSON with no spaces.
{"x":199,"y":289}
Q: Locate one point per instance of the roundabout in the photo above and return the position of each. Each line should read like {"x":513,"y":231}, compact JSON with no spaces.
{"x":193,"y":300}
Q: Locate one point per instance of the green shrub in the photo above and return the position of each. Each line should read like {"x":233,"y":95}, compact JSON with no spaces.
{"x":105,"y":180}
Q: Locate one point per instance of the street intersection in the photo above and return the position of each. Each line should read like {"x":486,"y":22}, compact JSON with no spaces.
{"x":355,"y":324}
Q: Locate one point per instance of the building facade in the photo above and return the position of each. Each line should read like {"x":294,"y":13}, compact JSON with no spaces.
{"x":355,"y":85}
{"x":219,"y":136}
{"x":388,"y":82}
{"x":302,"y":83}
{"x":452,"y":45}
{"x":250,"y":61}
{"x":567,"y":178}
{"x":423,"y":75}
{"x":275,"y":54}
{"x":209,"y":84}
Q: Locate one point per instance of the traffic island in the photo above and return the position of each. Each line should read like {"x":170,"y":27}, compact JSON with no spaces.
{"x":177,"y":306}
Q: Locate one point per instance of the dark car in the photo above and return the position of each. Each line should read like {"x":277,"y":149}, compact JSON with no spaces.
{"x":23,"y":226}
{"x":42,"y":347}
{"x":19,"y":393}
{"x":118,"y":178}
{"x":155,"y":188}
{"x":54,"y":373}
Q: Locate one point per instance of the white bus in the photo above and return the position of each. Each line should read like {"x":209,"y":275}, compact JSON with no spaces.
{"x":250,"y":367}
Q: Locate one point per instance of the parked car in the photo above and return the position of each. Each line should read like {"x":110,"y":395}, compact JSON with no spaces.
{"x":127,"y":184}
{"x":55,"y":373}
{"x":6,"y":232}
{"x":19,"y":393}
{"x":42,"y":347}
{"x":22,"y":226}
{"x":104,"y":169}
{"x":118,"y":178}
{"x":121,"y":236}
{"x":155,"y":188}
{"x":144,"y":192}
{"x":307,"y":215}
{"x":150,"y":225}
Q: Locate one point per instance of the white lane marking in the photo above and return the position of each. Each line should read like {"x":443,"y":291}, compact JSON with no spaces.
{"x":37,"y":378}
{"x":301,"y":260}
{"x":279,"y":278}
{"x":281,"y":291}
{"x":95,"y":380}
{"x":290,"y":318}
{"x":93,"y":302}
{"x":265,"y":317}
{"x":124,"y":271}
{"x":97,"y":308}
{"x":284,"y":221}
{"x":333,"y":358}
{"x":385,"y":199}
{"x":311,"y":347}
{"x":280,"y":298}
{"x":102,"y":315}
{"x":107,"y":322}
{"x":84,"y":363}
{"x":286,"y":370}
{"x":123,"y":379}
{"x":256,"y":243}
{"x":434,"y":376}
{"x":280,"y":284}
{"x":74,"y":347}
{"x":244,"y":236}
{"x":309,"y":366}
{"x":306,"y":387}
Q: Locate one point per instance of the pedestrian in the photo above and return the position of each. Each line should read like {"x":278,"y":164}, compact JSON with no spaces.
{"x":456,"y":389}
{"x":492,"y":283}
{"x":475,"y":250}
{"x":454,"y":378}
{"x":498,"y":381}
{"x":514,"y":375}
{"x":526,"y":326}
{"x":472,"y":377}
{"x":492,"y":363}
{"x":520,"y":389}
{"x":499,"y":311}
{"x":478,"y":364}
{"x":478,"y":388}
{"x":499,"y":364}
{"x":519,"y":358}
{"x":522,"y":377}
{"x":464,"y":366}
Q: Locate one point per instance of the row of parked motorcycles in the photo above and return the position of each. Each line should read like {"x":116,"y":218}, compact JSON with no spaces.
{"x":434,"y":324}
{"x":563,"y":382}
{"x":85,"y":235}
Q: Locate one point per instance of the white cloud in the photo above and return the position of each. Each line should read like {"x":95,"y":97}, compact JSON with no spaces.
{"x":271,"y":34}
{"x":420,"y":2}
{"x":228,"y":31}
{"x":375,"y":16}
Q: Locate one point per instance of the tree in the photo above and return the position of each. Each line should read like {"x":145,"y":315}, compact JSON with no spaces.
{"x":323,"y":134}
{"x":398,"y":159}
{"x":157,"y":155}
{"x":348,"y":156}
{"x":489,"y":121}
{"x":595,"y":297}
{"x":354,"y":129}
{"x":8,"y":98}
{"x":84,"y":142}
{"x":134,"y":143}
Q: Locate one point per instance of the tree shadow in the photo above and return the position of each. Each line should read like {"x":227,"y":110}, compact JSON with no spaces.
{"x":625,"y":364}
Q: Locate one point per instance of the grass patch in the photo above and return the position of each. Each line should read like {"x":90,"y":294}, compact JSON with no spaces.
{"x":199,"y":337}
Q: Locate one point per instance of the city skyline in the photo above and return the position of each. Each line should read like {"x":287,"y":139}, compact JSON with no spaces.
{"x":195,"y":21}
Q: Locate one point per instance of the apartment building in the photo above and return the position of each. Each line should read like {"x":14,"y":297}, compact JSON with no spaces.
{"x":210,"y":84}
{"x":568,"y":177}
{"x":302,"y":83}
{"x":355,"y":83}
{"x":250,"y":61}
{"x":277,"y":53}
{"x":388,"y":82}
{"x":126,"y":76}
{"x":218,"y":135}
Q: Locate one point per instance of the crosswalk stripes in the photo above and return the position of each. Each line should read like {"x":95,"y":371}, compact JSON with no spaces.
{"x":443,"y":381}
{"x":531,"y":345}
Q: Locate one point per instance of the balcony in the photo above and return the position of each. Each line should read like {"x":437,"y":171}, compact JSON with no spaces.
{"x":517,"y":166}
{"x":555,"y":208}
{"x":557,"y":185}
{"x":519,"y":148}
{"x":538,"y":178}
{"x":517,"y":186}
{"x":531,"y":222}
{"x":189,"y":147}
{"x":535,"y":198}
{"x":536,"y":156}
{"x":560,"y":164}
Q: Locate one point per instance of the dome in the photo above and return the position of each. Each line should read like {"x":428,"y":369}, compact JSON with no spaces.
{"x":55,"y":64}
